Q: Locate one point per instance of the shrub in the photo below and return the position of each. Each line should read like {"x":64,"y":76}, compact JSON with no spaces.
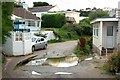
{"x":53,"y":20}
{"x":83,"y":48}
{"x":84,"y":27}
{"x":113,"y":62}
{"x":80,"y":52}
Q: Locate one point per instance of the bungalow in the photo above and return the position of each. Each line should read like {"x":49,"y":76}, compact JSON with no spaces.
{"x":24,"y":19}
{"x":106,"y":33}
{"x":39,"y":11}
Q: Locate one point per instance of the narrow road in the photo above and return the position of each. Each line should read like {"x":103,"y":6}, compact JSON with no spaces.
{"x":85,"y":69}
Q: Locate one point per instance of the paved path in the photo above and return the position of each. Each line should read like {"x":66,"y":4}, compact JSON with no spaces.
{"x":86,"y":69}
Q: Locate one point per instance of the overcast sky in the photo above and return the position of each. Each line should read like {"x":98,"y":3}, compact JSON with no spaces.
{"x":78,"y":4}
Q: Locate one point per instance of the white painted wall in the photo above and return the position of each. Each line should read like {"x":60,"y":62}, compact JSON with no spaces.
{"x":50,"y":35}
{"x":16,"y":48}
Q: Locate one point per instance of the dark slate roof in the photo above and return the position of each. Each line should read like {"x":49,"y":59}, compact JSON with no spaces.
{"x":71,"y":19}
{"x":21,"y":12}
{"x":41,"y":9}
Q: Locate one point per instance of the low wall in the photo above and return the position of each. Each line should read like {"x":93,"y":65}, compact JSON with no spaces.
{"x":50,"y":35}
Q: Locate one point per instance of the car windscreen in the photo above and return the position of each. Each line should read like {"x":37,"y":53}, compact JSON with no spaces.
{"x":33,"y":39}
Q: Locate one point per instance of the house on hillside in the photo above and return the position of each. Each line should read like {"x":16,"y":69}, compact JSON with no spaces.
{"x":39,"y":11}
{"x":72,"y":16}
{"x":24,"y":19}
{"x":106,"y":35}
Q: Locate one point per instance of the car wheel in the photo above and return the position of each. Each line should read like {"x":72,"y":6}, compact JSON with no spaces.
{"x":45,"y":46}
{"x":33,"y":48}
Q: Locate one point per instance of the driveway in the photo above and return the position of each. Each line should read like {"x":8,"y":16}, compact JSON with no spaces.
{"x":85,"y":69}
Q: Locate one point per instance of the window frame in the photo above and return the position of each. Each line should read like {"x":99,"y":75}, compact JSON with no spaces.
{"x":96,"y":30}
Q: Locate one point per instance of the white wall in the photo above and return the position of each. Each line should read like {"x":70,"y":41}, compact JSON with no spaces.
{"x":50,"y":35}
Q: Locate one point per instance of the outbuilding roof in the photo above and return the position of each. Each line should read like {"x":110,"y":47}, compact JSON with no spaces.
{"x":103,"y":19}
{"x":23,"y":13}
{"x":41,"y":9}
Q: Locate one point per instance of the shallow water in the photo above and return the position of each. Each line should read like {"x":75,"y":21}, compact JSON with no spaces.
{"x":56,"y":62}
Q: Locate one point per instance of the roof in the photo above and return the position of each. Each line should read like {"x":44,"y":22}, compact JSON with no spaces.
{"x":23,"y":13}
{"x":103,"y":19}
{"x":70,"y":19}
{"x":41,"y":9}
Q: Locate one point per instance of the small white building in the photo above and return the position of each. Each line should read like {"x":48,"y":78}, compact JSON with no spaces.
{"x":19,"y":43}
{"x":106,"y":33}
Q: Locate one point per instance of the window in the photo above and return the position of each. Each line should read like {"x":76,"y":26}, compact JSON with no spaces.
{"x":38,"y":23}
{"x":95,"y":28}
{"x":31,"y":23}
{"x":18,"y":36}
{"x":33,"y":39}
{"x":42,"y":39}
{"x":38,"y":40}
{"x":109,"y":30}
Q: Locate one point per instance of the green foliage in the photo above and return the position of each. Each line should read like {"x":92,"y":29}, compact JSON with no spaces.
{"x":53,"y":20}
{"x":3,"y":59}
{"x":84,"y":50}
{"x":113,"y":63}
{"x":62,"y":34}
{"x":80,"y":52}
{"x":55,"y":41}
{"x":98,"y":14}
{"x":84,"y":13}
{"x":7,"y":23}
{"x":17,"y":5}
{"x":84,"y":27}
{"x":36,"y":4}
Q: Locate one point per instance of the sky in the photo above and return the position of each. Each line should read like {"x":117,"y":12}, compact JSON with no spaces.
{"x":78,"y":4}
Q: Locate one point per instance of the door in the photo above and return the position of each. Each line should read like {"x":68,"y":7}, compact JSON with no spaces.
{"x":38,"y":43}
{"x":110,"y":36}
{"x":42,"y":43}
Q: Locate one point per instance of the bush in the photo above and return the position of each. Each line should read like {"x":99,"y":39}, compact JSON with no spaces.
{"x":53,"y":20}
{"x":80,"y":52}
{"x":84,"y":27}
{"x":113,"y":63}
{"x":83,"y":48}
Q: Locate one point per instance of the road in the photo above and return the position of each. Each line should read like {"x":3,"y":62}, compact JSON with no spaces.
{"x":85,"y":69}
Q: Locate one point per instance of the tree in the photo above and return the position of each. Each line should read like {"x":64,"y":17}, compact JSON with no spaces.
{"x":7,"y":23}
{"x":84,"y":13}
{"x":17,"y":5}
{"x":68,"y":10}
{"x":53,"y":20}
{"x":86,"y":27}
{"x":98,"y":13}
{"x":36,"y":4}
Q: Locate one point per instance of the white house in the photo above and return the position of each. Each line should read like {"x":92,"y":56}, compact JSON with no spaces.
{"x":24,"y":19}
{"x":106,"y":33}
{"x":39,"y":11}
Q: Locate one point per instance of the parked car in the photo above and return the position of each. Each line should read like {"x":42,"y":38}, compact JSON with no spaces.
{"x":38,"y":43}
